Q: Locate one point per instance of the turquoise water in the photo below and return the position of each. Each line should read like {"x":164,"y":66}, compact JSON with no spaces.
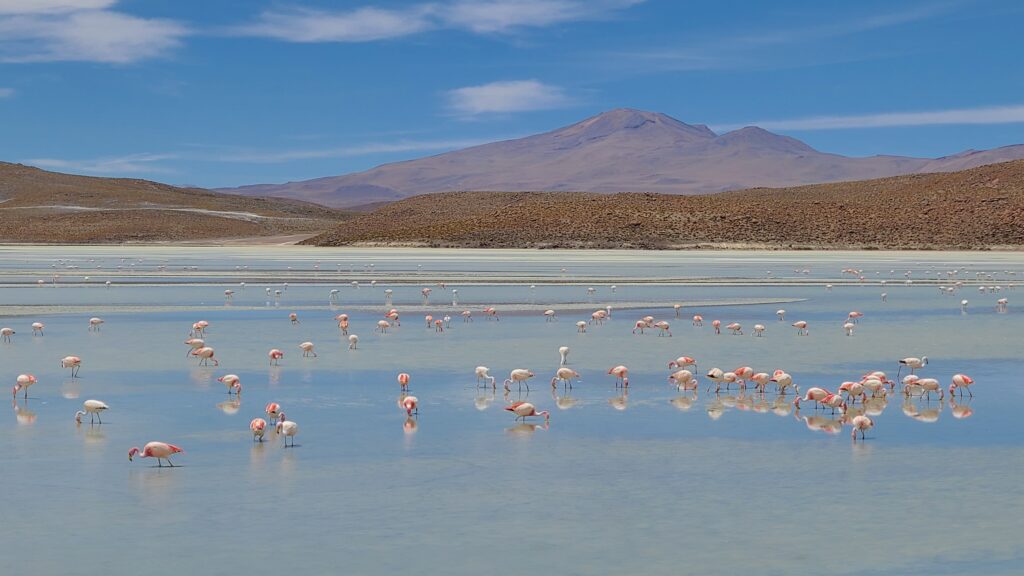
{"x":652,"y":481}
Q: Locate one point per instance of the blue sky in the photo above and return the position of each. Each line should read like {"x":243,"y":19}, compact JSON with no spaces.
{"x":228,"y":92}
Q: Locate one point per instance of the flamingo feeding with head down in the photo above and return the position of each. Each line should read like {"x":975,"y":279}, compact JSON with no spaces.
{"x":205,"y":354}
{"x":275,"y":356}
{"x":258,"y":426}
{"x":94,"y":324}
{"x":72,"y":362}
{"x":194,"y":344}
{"x":93,"y":408}
{"x":233,"y":383}
{"x":520,"y":376}
{"x":410,"y":404}
{"x":159,"y":450}
{"x":403,"y":381}
{"x":37,"y":328}
{"x":273,"y":410}
{"x":683,"y":362}
{"x":621,"y":374}
{"x":524,"y":410}
{"x":482,"y":374}
{"x":860,"y":423}
{"x":22,"y":383}
{"x":307,"y":349}
{"x":564,"y":375}
{"x":963,"y":382}
{"x":801,"y":328}
{"x":5,"y":334}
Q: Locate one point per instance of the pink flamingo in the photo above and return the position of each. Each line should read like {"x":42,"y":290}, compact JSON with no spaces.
{"x":621,"y":374}
{"x":159,"y":450}
{"x":194,"y":344}
{"x":294,"y":318}
{"x":801,"y":328}
{"x":854,"y":316}
{"x":258,"y":426}
{"x":549,"y":316}
{"x":22,"y":383}
{"x":963,"y":382}
{"x":524,"y":410}
{"x":5,"y":334}
{"x":287,"y":429}
{"x":520,"y":376}
{"x":307,"y":349}
{"x":783,"y":381}
{"x":759,"y":330}
{"x":72,"y":362}
{"x":640,"y":325}
{"x":683,"y":362}
{"x":275,"y":356}
{"x":861,"y":423}
{"x":438,"y":325}
{"x":95,"y":323}
{"x":403,"y":381}
{"x":382,"y":326}
{"x":743,"y":373}
{"x":205,"y":354}
{"x":233,"y":382}
{"x":812,"y":394}
{"x":683,"y":379}
{"x":37,"y":328}
{"x":735,"y":328}
{"x":411,"y":405}
{"x":717,"y":325}
{"x":491,"y":312}
{"x":273,"y":410}
{"x":199,"y":328}
{"x":698,"y":320}
{"x":565,"y":375}
{"x":761,"y":380}
{"x":662,"y":327}
{"x":853,"y":390}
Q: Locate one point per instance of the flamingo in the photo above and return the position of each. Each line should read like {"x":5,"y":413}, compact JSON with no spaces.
{"x":307,"y":349}
{"x":662,"y":327}
{"x":963,"y":382}
{"x":273,"y":409}
{"x":717,"y":325}
{"x":698,"y":320}
{"x":581,"y":327}
{"x":294,"y":318}
{"x":194,"y":344}
{"x":524,"y":410}
{"x":760,"y":380}
{"x":743,"y":374}
{"x":854,"y":316}
{"x":549,"y":316}
{"x":275,"y":356}
{"x":683,"y":379}
{"x":912,"y":363}
{"x":467,"y":316}
{"x":429,"y":319}
{"x":759,"y":329}
{"x":403,"y":381}
{"x":640,"y":325}
{"x":565,"y":375}
{"x":258,"y":426}
{"x":287,"y":429}
{"x":677,"y":308}
{"x":353,"y":341}
{"x":199,"y":328}
{"x":93,"y":408}
{"x":228,"y":294}
{"x":491,"y":312}
{"x":848,"y":328}
{"x":781,"y":314}
{"x":159,"y":450}
{"x":812,"y":394}
{"x":205,"y":354}
{"x":801,"y":328}
{"x":482,"y":373}
{"x":783,"y":381}
{"x":621,"y":374}
{"x":233,"y":383}
{"x":860,"y":424}
{"x":5,"y":334}
{"x":834,"y":401}
{"x":426,"y":295}
{"x":563,"y":354}
{"x":22,"y":383}
{"x":853,"y":390}
{"x":94,"y":324}
{"x":411,"y":405}
{"x":520,"y":376}
{"x":683,"y":362}
{"x":37,"y":328}
{"x":72,"y":362}
{"x":735,"y":328}
{"x":927,"y":386}
{"x":438,"y":325}
{"x":382,"y":326}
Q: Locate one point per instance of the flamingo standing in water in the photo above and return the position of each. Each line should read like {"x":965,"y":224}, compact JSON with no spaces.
{"x":848,"y":328}
{"x":294,"y":318}
{"x":22,"y":383}
{"x":94,"y":324}
{"x":698,"y":320}
{"x":801,"y":328}
{"x":275,"y":356}
{"x":403,"y":381}
{"x":37,"y":328}
{"x":287,"y":429}
{"x":233,"y":383}
{"x":581,"y":327}
{"x":860,"y":423}
{"x":662,"y":327}
{"x":783,"y":381}
{"x":258,"y":426}
{"x":382,"y":326}
{"x":159,"y":450}
{"x":72,"y":362}
{"x":760,"y":380}
{"x":273,"y":409}
{"x":520,"y":376}
{"x":963,"y":382}
{"x":912,"y":363}
{"x":683,"y":379}
{"x":717,"y":325}
{"x":683,"y":362}
{"x":482,"y":373}
{"x":621,"y":374}
{"x":781,"y":314}
{"x":411,"y":405}
{"x":353,"y":341}
{"x":759,"y":330}
{"x":813,"y":394}
{"x":199,"y":328}
{"x":854,"y":316}
{"x":563,"y":354}
{"x":205,"y":354}
{"x":5,"y":334}
{"x":549,"y":316}
{"x":194,"y":344}
{"x":93,"y":408}
{"x":307,"y":349}
{"x":565,"y":375}
{"x":524,"y":410}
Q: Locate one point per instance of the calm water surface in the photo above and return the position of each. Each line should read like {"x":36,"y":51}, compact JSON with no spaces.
{"x":649,"y":482}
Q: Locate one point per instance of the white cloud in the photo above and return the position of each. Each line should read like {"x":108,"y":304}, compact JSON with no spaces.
{"x":507,"y":96}
{"x":85,"y":35}
{"x":362,"y":25}
{"x":986,"y":115}
{"x":478,"y":16}
{"x":51,"y":6}
{"x":130,"y":164}
{"x":6,"y":92}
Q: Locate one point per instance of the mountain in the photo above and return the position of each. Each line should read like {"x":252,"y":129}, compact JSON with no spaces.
{"x":621,"y":150}
{"x":979,"y":208}
{"x":41,"y":206}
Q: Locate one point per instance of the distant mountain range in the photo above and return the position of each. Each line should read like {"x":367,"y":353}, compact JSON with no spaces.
{"x":622,"y":150}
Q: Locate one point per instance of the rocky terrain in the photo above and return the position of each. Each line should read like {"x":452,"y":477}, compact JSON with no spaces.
{"x":973,"y":209}
{"x":41,"y":206}
{"x":620,"y":151}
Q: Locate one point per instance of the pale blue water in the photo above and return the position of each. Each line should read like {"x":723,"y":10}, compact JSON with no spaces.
{"x":648,"y":483}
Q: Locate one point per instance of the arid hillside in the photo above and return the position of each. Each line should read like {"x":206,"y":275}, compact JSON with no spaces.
{"x":41,"y":206}
{"x":972,"y":209}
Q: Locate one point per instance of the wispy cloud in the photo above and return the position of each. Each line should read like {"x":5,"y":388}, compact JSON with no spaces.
{"x":6,"y":92}
{"x":370,"y":23}
{"x":53,"y":30}
{"x":129,"y":164}
{"x":986,"y":115}
{"x":507,"y":96}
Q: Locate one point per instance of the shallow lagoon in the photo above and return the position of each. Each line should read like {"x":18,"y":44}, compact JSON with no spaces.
{"x":643,"y":483}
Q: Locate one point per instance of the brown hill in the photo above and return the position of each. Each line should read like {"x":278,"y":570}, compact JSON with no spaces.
{"x":41,"y":206}
{"x":973,"y":209}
